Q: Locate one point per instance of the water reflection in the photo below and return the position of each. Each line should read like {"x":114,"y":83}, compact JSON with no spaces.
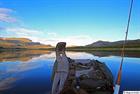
{"x":18,"y":73}
{"x":114,"y":53}
{"x":6,"y":83}
{"x":14,"y":71}
{"x":29,"y":72}
{"x":21,"y":55}
{"x":29,"y":54}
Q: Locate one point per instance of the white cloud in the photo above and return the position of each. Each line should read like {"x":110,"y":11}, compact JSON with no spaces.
{"x":5,"y":10}
{"x":23,"y":31}
{"x":79,"y":40}
{"x":50,"y":37}
{"x":5,"y":15}
{"x":53,"y":34}
{"x":34,"y":35}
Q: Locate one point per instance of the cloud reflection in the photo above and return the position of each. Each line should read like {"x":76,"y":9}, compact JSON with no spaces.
{"x":12,"y":71}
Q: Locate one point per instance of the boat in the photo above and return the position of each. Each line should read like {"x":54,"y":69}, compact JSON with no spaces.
{"x":85,"y":76}
{"x":88,"y":77}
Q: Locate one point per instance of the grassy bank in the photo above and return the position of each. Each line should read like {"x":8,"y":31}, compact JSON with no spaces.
{"x":76,"y":49}
{"x":24,"y":49}
{"x":101,"y":49}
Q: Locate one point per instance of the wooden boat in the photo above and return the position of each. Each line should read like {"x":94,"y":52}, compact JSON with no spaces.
{"x":86,"y":76}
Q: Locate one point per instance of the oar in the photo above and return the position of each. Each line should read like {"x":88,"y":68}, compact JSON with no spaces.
{"x":117,"y":84}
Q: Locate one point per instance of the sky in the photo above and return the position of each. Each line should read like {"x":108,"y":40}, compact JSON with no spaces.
{"x":77,"y":22}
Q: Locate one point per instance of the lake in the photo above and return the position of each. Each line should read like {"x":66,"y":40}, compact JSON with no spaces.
{"x":29,"y":72}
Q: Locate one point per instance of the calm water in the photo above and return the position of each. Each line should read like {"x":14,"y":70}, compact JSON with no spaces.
{"x":29,"y":72}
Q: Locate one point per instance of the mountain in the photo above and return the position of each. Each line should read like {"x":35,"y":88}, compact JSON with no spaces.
{"x":18,"y":43}
{"x":129,"y":43}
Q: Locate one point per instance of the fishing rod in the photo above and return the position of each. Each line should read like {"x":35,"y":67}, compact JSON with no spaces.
{"x":117,"y":83}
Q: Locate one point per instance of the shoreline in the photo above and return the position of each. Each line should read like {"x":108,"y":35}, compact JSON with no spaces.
{"x":73,"y":49}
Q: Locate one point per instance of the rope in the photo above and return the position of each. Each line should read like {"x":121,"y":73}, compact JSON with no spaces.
{"x":123,"y":48}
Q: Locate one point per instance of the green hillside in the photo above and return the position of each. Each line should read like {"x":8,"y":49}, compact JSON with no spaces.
{"x":21,"y":43}
{"x":131,"y":45}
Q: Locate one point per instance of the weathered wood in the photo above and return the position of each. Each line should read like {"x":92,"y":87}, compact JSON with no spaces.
{"x":61,"y":68}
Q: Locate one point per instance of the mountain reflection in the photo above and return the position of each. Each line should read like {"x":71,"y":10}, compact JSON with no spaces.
{"x":115,"y":53}
{"x":29,"y":54}
{"x":21,"y":55}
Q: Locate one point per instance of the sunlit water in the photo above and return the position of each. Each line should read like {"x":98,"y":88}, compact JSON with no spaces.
{"x":23,"y":75}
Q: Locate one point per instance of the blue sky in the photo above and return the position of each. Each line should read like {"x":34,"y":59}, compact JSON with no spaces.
{"x":78,"y":22}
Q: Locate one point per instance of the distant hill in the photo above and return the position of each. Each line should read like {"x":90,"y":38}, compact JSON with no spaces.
{"x":18,"y":43}
{"x":129,"y":43}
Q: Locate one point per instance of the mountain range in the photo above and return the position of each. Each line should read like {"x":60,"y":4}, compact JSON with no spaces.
{"x":19,"y":43}
{"x":129,"y":43}
{"x":24,"y":43}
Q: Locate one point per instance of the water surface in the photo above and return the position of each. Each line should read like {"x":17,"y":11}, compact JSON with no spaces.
{"x":29,"y":72}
